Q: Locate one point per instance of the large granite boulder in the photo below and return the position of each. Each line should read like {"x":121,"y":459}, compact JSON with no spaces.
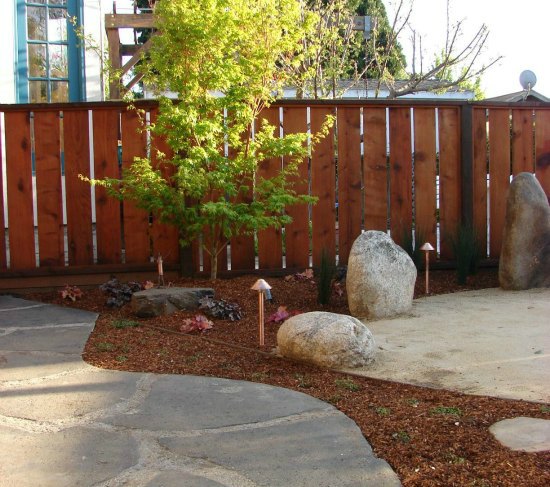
{"x":380,"y":278}
{"x":326,"y":339}
{"x":525,"y":254}
{"x":164,"y":301}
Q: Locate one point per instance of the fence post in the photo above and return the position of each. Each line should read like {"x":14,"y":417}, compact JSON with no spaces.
{"x":467,"y":165}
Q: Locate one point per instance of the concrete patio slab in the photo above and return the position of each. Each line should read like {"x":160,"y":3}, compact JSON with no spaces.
{"x":523,"y":434}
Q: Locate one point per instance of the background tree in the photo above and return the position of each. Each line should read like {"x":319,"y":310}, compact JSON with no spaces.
{"x":222,"y":58}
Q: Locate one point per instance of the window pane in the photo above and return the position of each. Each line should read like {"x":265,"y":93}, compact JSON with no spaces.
{"x":38,"y":91}
{"x":57,"y":2}
{"x":37,"y":60}
{"x":57,"y":24}
{"x":36,"y":23}
{"x":60,"y":91}
{"x":58,"y":61}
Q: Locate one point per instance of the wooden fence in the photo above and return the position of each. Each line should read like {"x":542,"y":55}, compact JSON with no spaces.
{"x":407,"y":167}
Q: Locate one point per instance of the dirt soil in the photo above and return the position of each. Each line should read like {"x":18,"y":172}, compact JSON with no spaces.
{"x":430,"y":437}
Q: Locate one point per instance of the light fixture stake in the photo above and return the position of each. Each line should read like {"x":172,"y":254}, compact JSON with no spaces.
{"x":427,"y":248}
{"x":261,"y":286}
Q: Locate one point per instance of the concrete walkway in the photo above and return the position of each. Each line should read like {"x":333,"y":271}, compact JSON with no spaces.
{"x":489,"y":342}
{"x":65,"y":423}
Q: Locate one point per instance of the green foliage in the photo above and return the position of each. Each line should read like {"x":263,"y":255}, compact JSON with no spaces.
{"x":412,"y":246}
{"x":325,"y":274}
{"x":467,"y":251}
{"x":105,"y":346}
{"x":348,"y":384}
{"x":121,"y":323}
{"x":304,"y":381}
{"x":222,"y":58}
{"x":401,"y":436}
{"x":382,"y":411}
{"x":451,"y":410}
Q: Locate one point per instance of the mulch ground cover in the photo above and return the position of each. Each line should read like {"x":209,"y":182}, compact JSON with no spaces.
{"x":430,"y":437}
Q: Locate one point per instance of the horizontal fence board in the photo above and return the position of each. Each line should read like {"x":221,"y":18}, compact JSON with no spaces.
{"x":449,"y":177}
{"x":136,"y":221}
{"x":349,"y":180}
{"x":47,"y":142}
{"x":400,"y":175}
{"x":425,"y":176}
{"x":499,"y":174}
{"x":19,"y":185}
{"x":323,"y":186}
{"x":479,"y":140}
{"x":297,"y":242}
{"x":78,"y":192}
{"x":108,"y":225}
{"x":375,"y":172}
{"x":270,"y":242}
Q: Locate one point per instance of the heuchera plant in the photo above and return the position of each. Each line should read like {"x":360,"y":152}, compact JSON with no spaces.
{"x":281,"y":315}
{"x":71,"y":292}
{"x":197,"y":323}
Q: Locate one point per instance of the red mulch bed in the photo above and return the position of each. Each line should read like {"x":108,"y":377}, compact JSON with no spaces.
{"x":426,"y":448}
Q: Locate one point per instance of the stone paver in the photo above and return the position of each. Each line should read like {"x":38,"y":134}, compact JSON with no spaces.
{"x":65,"y":423}
{"x":523,"y":434}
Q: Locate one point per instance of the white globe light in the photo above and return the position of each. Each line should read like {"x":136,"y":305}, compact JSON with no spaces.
{"x":527,"y":79}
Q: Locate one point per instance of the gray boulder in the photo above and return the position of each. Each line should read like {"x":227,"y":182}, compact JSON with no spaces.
{"x":380,"y":278}
{"x":326,"y":339}
{"x":165,"y":301}
{"x":525,"y":254}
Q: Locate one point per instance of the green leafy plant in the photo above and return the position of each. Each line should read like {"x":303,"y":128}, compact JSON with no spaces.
{"x":219,"y":308}
{"x":105,"y":346}
{"x":327,"y":270}
{"x":401,"y":436}
{"x":413,"y":402}
{"x":303,"y":381}
{"x":122,"y":323}
{"x":121,"y":358}
{"x":204,"y":50}
{"x":454,"y":458}
{"x":454,"y":411}
{"x":382,"y":411}
{"x":467,"y":251}
{"x":71,"y":292}
{"x":348,"y":384}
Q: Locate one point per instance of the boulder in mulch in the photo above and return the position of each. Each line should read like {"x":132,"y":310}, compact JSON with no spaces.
{"x":165,"y":301}
{"x":326,"y":339}
{"x":380,"y":278}
{"x":525,"y":254}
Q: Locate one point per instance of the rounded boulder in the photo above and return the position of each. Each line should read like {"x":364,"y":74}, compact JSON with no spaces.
{"x":326,"y":339}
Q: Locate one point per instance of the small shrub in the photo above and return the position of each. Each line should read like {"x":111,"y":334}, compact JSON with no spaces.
{"x":446,"y":410}
{"x":467,"y":251}
{"x":413,"y":402}
{"x":120,"y":324}
{"x":219,"y":308}
{"x":401,"y":436}
{"x":347,"y":384}
{"x":327,"y":269}
{"x":382,"y":411}
{"x":71,"y":292}
{"x":454,"y":459}
{"x":121,"y":358}
{"x":281,"y":315}
{"x":105,"y":346}
{"x":303,"y":381}
{"x":119,"y":293}
{"x":545,"y":409}
{"x":197,"y":323}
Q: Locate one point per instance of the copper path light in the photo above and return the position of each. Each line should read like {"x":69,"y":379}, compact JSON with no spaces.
{"x":262,"y":287}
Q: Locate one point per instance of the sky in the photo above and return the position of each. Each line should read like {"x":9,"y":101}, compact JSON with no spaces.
{"x":518,"y":31}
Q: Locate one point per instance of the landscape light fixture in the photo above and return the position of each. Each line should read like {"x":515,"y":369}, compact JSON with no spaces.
{"x":262,"y":287}
{"x":427,"y":248}
{"x":160,"y":271}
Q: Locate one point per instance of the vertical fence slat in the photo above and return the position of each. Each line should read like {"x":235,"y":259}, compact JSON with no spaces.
{"x":78,"y":193}
{"x":375,"y":174}
{"x":499,"y":174}
{"x":479,"y":131}
{"x":542,"y":150}
{"x":48,"y":188}
{"x":3,"y":258}
{"x":349,"y":180}
{"x":19,"y":183}
{"x":270,"y":244}
{"x":449,"y":177}
{"x":108,"y":225}
{"x":425,"y":175}
{"x":522,"y":141}
{"x":165,"y":237}
{"x":136,"y":220}
{"x":400,"y":174}
{"x":323,"y":185}
{"x":297,"y":232}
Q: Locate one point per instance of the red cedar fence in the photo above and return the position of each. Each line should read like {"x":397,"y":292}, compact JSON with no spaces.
{"x":402,"y":166}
